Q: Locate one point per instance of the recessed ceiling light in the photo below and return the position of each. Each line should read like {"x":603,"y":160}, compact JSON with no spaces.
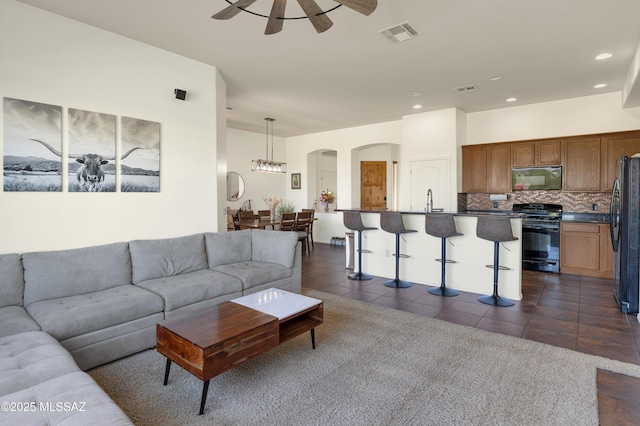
{"x":414,"y":94}
{"x":495,"y":78}
{"x":511,"y":99}
{"x":599,"y":86}
{"x":417,"y":106}
{"x":602,"y":56}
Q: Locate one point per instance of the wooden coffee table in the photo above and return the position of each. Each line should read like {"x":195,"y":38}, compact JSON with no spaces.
{"x":216,"y":339}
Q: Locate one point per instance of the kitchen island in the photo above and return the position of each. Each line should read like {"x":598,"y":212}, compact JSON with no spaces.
{"x":471,"y":253}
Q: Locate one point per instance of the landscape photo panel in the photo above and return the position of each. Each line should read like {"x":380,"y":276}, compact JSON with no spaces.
{"x":32,"y":140}
{"x":140,"y":165}
{"x":92,"y":151}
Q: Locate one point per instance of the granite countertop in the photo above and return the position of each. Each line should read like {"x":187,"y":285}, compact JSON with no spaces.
{"x":566,"y":216}
{"x":456,"y":213}
{"x":586,"y":217}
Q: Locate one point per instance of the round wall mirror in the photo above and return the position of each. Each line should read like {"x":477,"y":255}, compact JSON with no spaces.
{"x":235,"y":186}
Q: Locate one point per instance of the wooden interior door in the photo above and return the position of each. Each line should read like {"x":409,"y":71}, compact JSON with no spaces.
{"x":373,"y":185}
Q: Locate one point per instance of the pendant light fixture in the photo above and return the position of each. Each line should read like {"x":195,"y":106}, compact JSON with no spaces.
{"x":269,"y":165}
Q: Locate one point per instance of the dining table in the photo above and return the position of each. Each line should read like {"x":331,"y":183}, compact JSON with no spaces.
{"x":257,"y":224}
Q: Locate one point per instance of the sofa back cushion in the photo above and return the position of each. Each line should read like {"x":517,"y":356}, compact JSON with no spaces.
{"x":63,"y":273}
{"x":274,"y":247}
{"x":167,"y":257}
{"x":224,"y":248}
{"x":11,"y":280}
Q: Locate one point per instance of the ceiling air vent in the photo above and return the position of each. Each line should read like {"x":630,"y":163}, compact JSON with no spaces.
{"x":400,"y":32}
{"x":465,"y":89}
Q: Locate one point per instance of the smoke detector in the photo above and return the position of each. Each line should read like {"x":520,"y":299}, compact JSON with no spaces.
{"x":400,"y":32}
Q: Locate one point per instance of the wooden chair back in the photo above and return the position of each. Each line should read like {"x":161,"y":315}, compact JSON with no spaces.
{"x":245,"y":215}
{"x":288,"y":222}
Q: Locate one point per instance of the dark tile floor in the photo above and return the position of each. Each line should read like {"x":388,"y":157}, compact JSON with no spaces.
{"x":570,"y":311}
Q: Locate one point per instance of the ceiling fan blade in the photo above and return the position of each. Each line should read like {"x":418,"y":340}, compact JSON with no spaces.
{"x":366,"y":7}
{"x":232,"y":10}
{"x":320,"y":21}
{"x":274,"y":25}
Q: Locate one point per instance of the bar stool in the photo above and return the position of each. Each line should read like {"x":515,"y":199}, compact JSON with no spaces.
{"x":392,"y":222}
{"x":442,"y":226}
{"x":496,"y":229}
{"x":353,"y":221}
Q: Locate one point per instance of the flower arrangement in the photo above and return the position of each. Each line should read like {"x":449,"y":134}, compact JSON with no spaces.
{"x":272,"y":201}
{"x":326,"y":198}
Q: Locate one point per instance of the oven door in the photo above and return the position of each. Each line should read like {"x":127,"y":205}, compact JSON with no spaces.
{"x":541,"y":247}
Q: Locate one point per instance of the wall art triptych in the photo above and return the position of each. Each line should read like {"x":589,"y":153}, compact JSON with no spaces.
{"x":33,"y":158}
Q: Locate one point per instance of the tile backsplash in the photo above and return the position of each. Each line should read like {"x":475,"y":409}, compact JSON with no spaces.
{"x":578,"y":202}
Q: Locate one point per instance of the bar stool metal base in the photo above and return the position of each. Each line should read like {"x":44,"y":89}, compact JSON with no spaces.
{"x":496,"y":300}
{"x":396,"y":283}
{"x":444,"y":291}
{"x":359,"y":276}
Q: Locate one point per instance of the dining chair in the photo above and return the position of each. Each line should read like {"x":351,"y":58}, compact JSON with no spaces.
{"x":303,"y":226}
{"x":244,"y":215}
{"x":265,"y":215}
{"x":313,"y":213}
{"x":288,"y":222}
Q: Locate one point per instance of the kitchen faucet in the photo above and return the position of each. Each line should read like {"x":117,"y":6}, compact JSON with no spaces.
{"x":429,"y":201}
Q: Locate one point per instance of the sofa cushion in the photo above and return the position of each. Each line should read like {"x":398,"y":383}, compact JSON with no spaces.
{"x":31,"y":358}
{"x":14,"y":320}
{"x":273,"y":247}
{"x":86,"y":404}
{"x":185,"y":289}
{"x":11,"y":280}
{"x":167,"y":257}
{"x":75,"y":315}
{"x":255,"y":273}
{"x":63,"y":273}
{"x":228,"y":247}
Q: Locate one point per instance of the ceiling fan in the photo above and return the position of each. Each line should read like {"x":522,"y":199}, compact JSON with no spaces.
{"x":315,"y":14}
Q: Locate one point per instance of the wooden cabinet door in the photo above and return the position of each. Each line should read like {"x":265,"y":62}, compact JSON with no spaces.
{"x":548,"y":153}
{"x":474,"y":166}
{"x":581,"y":161}
{"x":579,"y":247}
{"x":523,"y":154}
{"x":585,"y":249}
{"x":499,"y":168}
{"x":616,"y":147}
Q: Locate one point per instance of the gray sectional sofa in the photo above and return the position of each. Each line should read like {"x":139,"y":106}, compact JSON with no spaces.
{"x":66,"y":311}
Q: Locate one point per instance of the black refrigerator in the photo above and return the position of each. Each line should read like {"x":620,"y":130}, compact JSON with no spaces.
{"x":625,"y":233}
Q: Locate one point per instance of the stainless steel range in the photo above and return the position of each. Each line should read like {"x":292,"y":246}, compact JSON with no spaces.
{"x":540,"y":236}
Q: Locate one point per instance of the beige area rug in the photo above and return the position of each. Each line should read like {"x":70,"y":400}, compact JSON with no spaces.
{"x":373,"y":366}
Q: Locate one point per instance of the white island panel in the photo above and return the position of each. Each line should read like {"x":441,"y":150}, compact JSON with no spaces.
{"x":471,"y":253}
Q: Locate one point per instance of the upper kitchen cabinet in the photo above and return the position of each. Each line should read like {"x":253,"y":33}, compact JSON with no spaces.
{"x":617,"y":146}
{"x":499,"y":168}
{"x":582,"y":165}
{"x":474,"y":168}
{"x":536,"y":153}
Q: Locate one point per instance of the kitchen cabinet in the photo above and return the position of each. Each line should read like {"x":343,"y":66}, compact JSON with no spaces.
{"x":499,"y":168}
{"x":582,"y":165}
{"x":536,"y":153}
{"x":474,"y":168}
{"x":617,"y":146}
{"x":585,"y":249}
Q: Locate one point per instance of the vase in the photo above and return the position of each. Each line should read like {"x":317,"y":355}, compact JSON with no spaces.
{"x":326,"y":208}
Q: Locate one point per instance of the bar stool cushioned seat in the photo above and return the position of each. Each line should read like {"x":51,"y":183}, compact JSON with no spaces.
{"x":442,"y":226}
{"x":353,"y":221}
{"x":392,"y":222}
{"x":496,"y":229}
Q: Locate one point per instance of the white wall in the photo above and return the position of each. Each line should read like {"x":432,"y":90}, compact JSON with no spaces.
{"x":242,"y":147}
{"x":568,"y":117}
{"x":50,"y":59}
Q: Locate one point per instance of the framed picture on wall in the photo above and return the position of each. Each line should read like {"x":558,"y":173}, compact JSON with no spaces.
{"x":295,"y":180}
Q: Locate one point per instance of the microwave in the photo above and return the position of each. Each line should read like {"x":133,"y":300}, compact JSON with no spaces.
{"x":536,"y":178}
